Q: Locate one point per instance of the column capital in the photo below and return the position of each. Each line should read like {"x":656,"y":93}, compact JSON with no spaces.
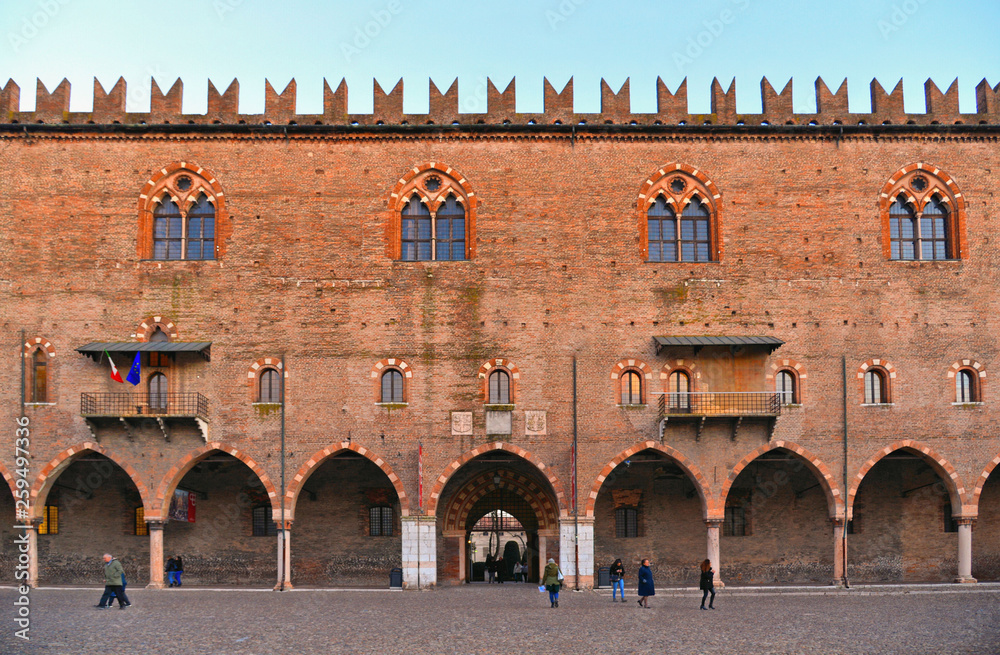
{"x":419,"y":518}
{"x":838,"y":521}
{"x":576,"y":520}
{"x":965,"y":520}
{"x":156,"y":524}
{"x":714,"y":523}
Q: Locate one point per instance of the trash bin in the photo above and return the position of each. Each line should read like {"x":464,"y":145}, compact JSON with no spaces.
{"x":603,"y":577}
{"x":396,"y":578}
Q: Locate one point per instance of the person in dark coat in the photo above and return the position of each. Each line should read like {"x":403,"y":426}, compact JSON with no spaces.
{"x":707,"y":584}
{"x":617,"y":572}
{"x":114,"y":575}
{"x":646,"y":588}
{"x":171,"y":571}
{"x":178,"y":569}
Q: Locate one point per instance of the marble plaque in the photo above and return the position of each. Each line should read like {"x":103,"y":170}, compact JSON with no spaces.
{"x":534,"y":423}
{"x":461,"y":423}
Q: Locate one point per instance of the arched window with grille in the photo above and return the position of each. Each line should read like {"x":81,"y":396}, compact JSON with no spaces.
{"x":416,"y":231}
{"x":168,"y":230}
{"x":679,"y":392}
{"x":269,"y":390}
{"x":631,"y":388}
{"x":499,"y":388}
{"x":449,"y":231}
{"x":923,"y":213}
{"x":662,"y":227}
{"x":876,"y":387}
{"x":785,"y":385}
{"x":392,"y":386}
{"x":966,"y":389}
{"x":200,"y":233}
{"x":679,"y":209}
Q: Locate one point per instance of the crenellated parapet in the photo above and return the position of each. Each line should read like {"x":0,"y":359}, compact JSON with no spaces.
{"x":941,"y":107}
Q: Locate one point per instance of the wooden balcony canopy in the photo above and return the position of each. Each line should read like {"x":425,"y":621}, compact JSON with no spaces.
{"x":770,"y":343}
{"x":96,"y":349}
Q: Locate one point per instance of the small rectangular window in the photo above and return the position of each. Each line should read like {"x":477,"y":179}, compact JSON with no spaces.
{"x":735,"y":524}
{"x":626,"y":523}
{"x":380,"y":521}
{"x":141,"y":528}
{"x":263,"y":525}
{"x":50,"y":520}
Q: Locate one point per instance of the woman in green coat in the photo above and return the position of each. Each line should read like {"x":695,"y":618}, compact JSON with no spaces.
{"x":552,"y":579}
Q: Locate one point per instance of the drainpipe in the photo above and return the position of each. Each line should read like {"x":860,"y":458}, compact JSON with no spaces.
{"x":576,"y":520}
{"x":284,"y":536}
{"x":20,"y":351}
{"x":843,"y":372}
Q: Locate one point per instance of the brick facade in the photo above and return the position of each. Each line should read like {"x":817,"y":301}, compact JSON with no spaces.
{"x":556,"y":281}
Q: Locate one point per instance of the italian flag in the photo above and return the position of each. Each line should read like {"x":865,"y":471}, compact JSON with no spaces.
{"x":115,"y":375}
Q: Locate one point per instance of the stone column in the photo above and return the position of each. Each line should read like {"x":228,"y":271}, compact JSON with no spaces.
{"x":542,"y":557}
{"x":284,"y":554}
{"x":31,"y":529}
{"x":155,"y":527}
{"x":838,"y":551}
{"x":419,"y":552}
{"x":965,"y":549}
{"x":713,"y":526}
{"x":576,"y":534}
{"x":462,"y":558}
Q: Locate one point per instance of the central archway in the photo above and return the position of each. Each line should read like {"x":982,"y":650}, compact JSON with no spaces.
{"x":512,"y":495}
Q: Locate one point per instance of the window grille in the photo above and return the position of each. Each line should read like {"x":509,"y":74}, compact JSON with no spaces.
{"x":263,"y":524}
{"x":875,"y":388}
{"x":270,"y":386}
{"x":631,"y":392}
{"x":416,"y":231}
{"x":449,"y":231}
{"x":141,"y":528}
{"x":380,"y":521}
{"x":50,"y":520}
{"x":499,"y":388}
{"x":626,"y":523}
{"x":735,"y":523}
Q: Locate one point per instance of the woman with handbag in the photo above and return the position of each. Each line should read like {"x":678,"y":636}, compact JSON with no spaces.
{"x":646,"y":588}
{"x":617,"y":579}
{"x":707,"y":584}
{"x":552,"y":579}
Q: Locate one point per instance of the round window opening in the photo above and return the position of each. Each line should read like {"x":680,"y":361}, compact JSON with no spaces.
{"x":432,"y":183}
{"x":184,"y":183}
{"x":919,"y":183}
{"x":677,"y":185}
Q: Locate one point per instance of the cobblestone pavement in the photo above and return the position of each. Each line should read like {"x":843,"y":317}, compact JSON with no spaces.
{"x":496,"y":620}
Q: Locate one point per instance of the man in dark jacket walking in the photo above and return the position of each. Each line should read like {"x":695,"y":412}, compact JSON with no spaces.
{"x":113,"y":576}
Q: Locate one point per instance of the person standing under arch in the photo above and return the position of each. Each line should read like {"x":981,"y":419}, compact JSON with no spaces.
{"x":646,"y":587}
{"x":617,"y":572}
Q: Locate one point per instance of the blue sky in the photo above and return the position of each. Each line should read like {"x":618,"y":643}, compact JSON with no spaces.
{"x":198,"y":40}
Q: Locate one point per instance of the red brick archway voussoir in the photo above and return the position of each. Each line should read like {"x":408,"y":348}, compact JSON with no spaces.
{"x":941,"y":466}
{"x":317,"y":460}
{"x":974,"y":494}
{"x":47,"y":476}
{"x":9,"y":479}
{"x":689,"y":467}
{"x":177,"y":472}
{"x":834,"y":496}
{"x":439,"y":485}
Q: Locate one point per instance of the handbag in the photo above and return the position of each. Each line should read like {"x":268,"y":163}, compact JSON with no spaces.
{"x":541,"y":588}
{"x":559,"y":575}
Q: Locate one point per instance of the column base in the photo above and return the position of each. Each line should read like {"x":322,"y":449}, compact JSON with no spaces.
{"x":837,"y":582}
{"x":287,"y":586}
{"x":964,"y":580}
{"x":156,"y":585}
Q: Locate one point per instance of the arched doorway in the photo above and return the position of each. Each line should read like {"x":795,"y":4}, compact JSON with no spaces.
{"x":347,"y":530}
{"x":986,"y":536}
{"x":776,"y":520}
{"x":648,"y":506}
{"x":505,"y":496}
{"x":90,"y":506}
{"x":219,"y":519}
{"x":902,"y":527}
{"x":8,"y":547}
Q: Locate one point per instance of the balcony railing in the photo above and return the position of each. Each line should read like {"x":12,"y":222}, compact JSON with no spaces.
{"x":184,"y":404}
{"x":748,"y":403}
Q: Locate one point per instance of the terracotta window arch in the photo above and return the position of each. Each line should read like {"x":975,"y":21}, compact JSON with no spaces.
{"x":432,"y":216}
{"x":966,"y":377}
{"x":632,"y":389}
{"x":923,"y":215}
{"x":499,"y":379}
{"x":182,"y":215}
{"x":679,"y":216}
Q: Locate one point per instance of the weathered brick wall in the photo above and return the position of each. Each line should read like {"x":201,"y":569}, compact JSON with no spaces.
{"x":556,"y":275}
{"x":986,"y":534}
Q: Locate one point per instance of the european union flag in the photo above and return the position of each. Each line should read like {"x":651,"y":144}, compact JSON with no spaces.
{"x":133,"y":375}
